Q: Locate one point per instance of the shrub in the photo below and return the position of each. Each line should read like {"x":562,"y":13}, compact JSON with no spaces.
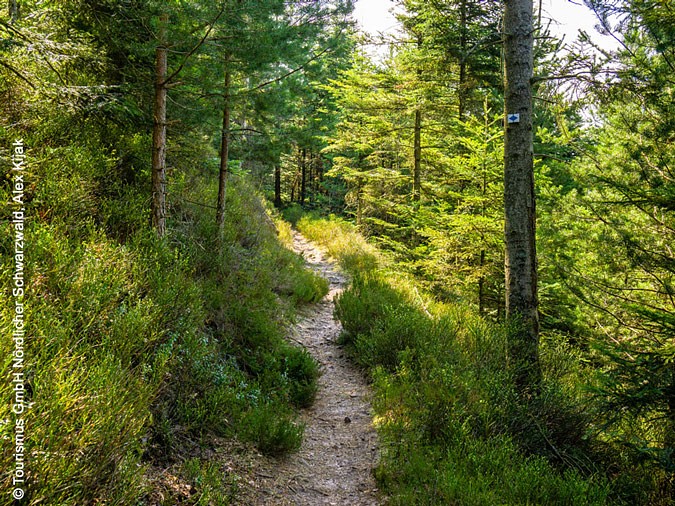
{"x":272,"y":428}
{"x":293,"y":213}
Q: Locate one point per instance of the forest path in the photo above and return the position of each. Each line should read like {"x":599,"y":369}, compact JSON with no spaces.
{"x":334,"y":465}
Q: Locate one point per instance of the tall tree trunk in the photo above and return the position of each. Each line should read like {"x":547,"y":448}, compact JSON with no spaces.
{"x":481,"y":284}
{"x":312,"y":177}
{"x":483,"y":211}
{"x":463,"y":50}
{"x":13,"y":7}
{"x":303,"y":172}
{"x":158,"y":204}
{"x":359,"y":205}
{"x":417,"y":140}
{"x":277,"y":186}
{"x":224,"y":151}
{"x":519,"y":201}
{"x":417,"y":155}
{"x":293,"y":186}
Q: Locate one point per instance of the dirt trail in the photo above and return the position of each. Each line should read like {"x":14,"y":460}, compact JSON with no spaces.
{"x":334,"y":465}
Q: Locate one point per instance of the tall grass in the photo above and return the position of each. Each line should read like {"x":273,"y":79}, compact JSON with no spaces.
{"x":452,"y":427}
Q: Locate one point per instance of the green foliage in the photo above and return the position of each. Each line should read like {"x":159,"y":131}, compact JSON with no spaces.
{"x":137,"y":343}
{"x":477,"y":473}
{"x":92,"y":368}
{"x":146,"y":341}
{"x":293,"y":213}
{"x":301,"y":372}
{"x":239,"y":369}
{"x":446,"y":406}
{"x":272,"y":428}
{"x":211,"y":484}
{"x":451,"y":235}
{"x":611,"y":240}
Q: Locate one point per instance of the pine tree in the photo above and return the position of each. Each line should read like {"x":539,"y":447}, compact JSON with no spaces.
{"x":519,"y":199}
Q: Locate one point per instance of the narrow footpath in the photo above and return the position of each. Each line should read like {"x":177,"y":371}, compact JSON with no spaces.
{"x":334,"y":465}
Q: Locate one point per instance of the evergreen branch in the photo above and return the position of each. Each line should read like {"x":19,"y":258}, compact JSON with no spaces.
{"x":7,"y":26}
{"x":579,"y":75}
{"x":198,"y":203}
{"x":248,"y":129}
{"x":17,"y":73}
{"x":24,"y":37}
{"x":195,"y":48}
{"x":291,"y":72}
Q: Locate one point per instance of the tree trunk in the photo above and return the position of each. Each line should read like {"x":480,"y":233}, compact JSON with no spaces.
{"x":417,"y":155}
{"x":481,"y":285}
{"x":417,"y":140}
{"x":277,"y":186}
{"x":312,"y":177}
{"x":224,"y":152}
{"x":483,"y":213}
{"x":317,"y":174}
{"x":303,"y":171}
{"x":519,"y":201}
{"x":293,"y":184}
{"x":13,"y":7}
{"x":463,"y":50}
{"x":158,"y":204}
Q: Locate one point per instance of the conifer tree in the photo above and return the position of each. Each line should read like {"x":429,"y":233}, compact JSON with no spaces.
{"x":519,"y":199}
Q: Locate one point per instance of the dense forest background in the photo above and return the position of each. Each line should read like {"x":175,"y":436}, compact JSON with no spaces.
{"x":165,"y":139}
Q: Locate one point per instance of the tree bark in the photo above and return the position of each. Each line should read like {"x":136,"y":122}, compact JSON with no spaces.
{"x":224,"y":151}
{"x":303,"y":172}
{"x":463,"y":50}
{"x":417,"y":155}
{"x":481,"y":285}
{"x":158,"y":203}
{"x":417,"y":140}
{"x":293,"y":185}
{"x":13,"y":8}
{"x":312,"y":177}
{"x":277,"y":186}
{"x":519,"y":200}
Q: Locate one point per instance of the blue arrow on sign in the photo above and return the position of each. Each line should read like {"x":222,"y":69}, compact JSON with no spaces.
{"x":513,"y":118}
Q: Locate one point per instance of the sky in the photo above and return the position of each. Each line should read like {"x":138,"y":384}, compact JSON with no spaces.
{"x":568,"y":18}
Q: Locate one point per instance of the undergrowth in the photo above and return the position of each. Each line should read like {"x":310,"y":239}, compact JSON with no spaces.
{"x":453,"y":429}
{"x":139,"y":345}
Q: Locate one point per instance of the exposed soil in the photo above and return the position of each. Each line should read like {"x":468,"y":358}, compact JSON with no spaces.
{"x":334,"y":465}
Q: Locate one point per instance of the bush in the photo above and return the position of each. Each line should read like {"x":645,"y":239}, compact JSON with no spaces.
{"x":272,"y":428}
{"x":211,"y":485}
{"x":293,"y":213}
{"x":302,"y":372}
